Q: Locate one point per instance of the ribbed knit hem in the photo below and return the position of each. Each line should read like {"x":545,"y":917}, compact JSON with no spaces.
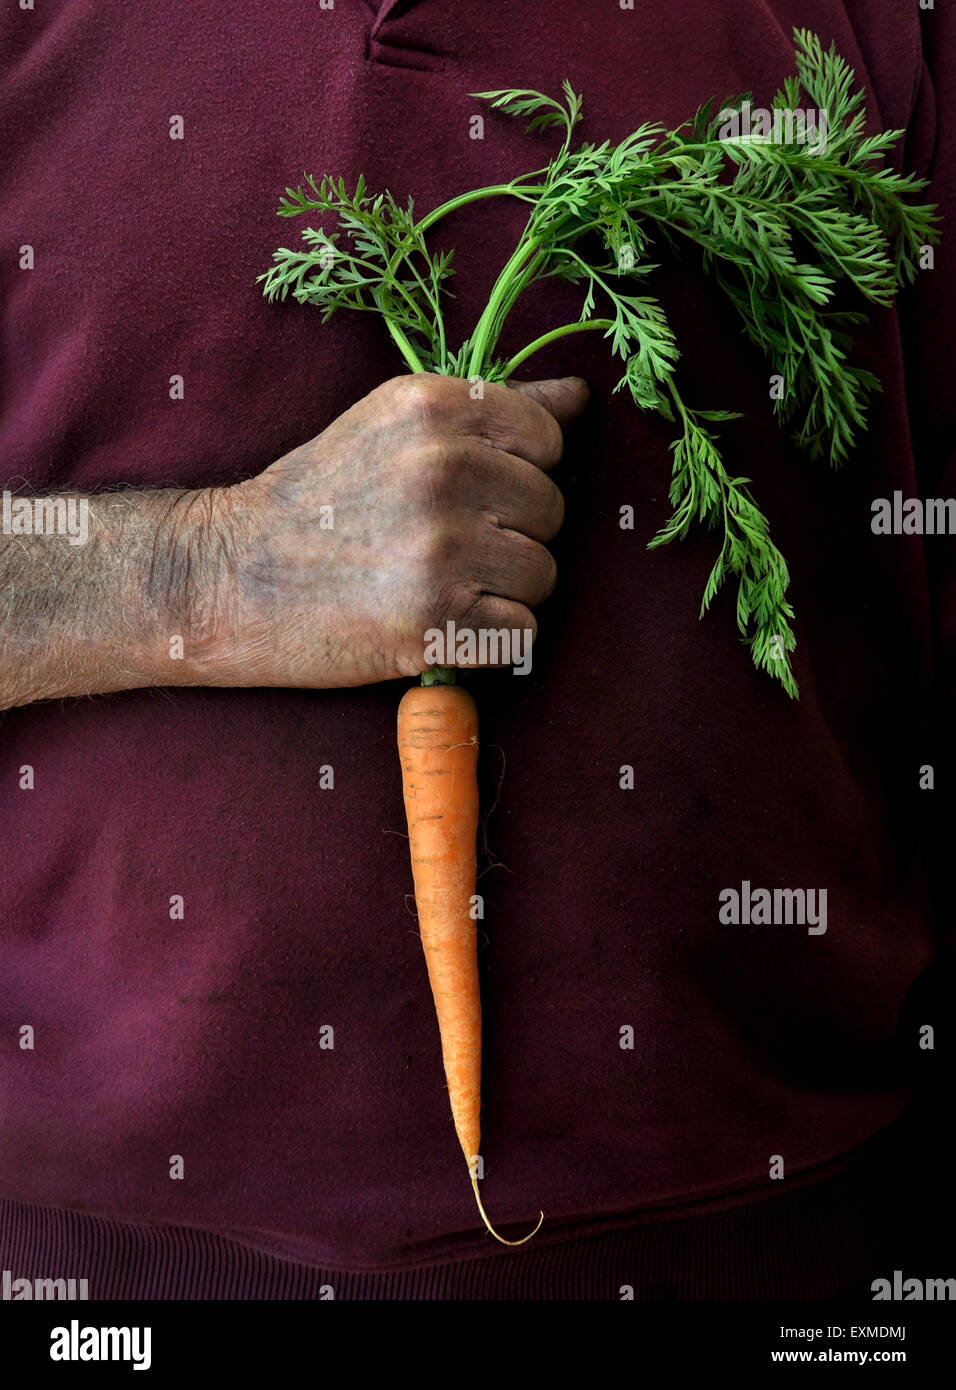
{"x":824,"y":1240}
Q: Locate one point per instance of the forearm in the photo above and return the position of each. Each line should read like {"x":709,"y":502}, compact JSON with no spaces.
{"x":117,"y":612}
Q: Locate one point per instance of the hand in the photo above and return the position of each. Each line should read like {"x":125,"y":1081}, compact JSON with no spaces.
{"x":416,"y":506}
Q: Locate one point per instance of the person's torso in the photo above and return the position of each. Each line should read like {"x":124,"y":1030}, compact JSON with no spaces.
{"x":201,"y":1035}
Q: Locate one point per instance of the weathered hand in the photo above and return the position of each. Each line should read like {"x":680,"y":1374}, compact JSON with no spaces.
{"x":417,"y":506}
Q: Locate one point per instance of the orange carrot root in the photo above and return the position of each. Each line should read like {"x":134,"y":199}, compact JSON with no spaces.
{"x":438,"y":746}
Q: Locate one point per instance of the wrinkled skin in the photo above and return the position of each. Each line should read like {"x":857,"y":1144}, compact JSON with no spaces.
{"x":442,"y":509}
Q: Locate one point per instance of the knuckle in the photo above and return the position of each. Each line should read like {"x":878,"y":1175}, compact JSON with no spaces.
{"x":542,"y":570}
{"x":456,"y":602}
{"x":422,"y":400}
{"x":494,"y":417}
{"x":429,"y":479}
{"x":533,"y":567}
{"x":394,"y":393}
{"x":438,"y":550}
{"x":468,"y":602}
{"x":550,"y":509}
{"x":552,"y":440}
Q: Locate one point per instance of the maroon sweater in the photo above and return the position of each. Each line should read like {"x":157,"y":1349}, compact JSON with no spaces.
{"x":201,"y":1037}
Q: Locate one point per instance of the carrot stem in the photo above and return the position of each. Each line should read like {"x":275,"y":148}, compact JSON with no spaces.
{"x":439,"y":675}
{"x":551,"y":337}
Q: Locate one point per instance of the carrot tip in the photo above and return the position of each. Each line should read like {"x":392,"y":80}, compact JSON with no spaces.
{"x":484,"y":1217}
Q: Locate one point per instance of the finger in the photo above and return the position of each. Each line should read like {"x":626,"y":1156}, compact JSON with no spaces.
{"x":518,"y":495}
{"x":512,"y":566}
{"x":563,"y":397}
{"x":518,"y":423}
{"x":491,"y":614}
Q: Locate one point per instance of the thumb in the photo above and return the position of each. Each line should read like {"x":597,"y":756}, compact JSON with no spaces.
{"x":563,"y":397}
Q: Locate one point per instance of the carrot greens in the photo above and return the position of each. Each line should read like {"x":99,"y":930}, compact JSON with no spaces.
{"x":780,"y":225}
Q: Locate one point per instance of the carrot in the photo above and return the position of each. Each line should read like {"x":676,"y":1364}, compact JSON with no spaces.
{"x":438,"y":746}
